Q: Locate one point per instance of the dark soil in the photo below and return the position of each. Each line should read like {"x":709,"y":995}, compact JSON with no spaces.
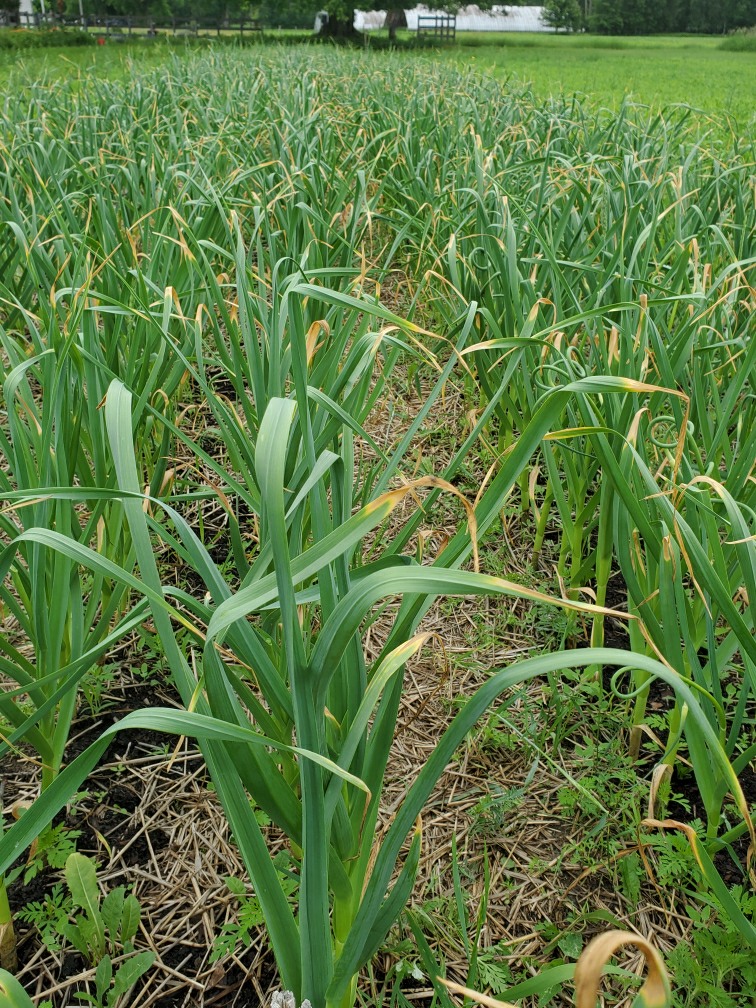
{"x":103,"y":813}
{"x":687,"y":803}
{"x":21,"y":894}
{"x":229,"y":988}
{"x":615,"y":630}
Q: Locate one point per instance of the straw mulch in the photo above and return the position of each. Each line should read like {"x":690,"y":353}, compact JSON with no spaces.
{"x":153,"y":823}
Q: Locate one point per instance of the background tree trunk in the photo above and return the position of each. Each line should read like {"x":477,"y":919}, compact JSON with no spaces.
{"x":395,"y":18}
{"x":338,"y":28}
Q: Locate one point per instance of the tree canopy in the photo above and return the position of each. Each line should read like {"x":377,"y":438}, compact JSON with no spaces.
{"x":609,"y":17}
{"x":649,"y":17}
{"x":563,"y":14}
{"x":210,"y":10}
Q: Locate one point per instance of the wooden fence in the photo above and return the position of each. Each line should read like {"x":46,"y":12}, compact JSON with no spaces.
{"x":123,"y":28}
{"x":439,"y":26}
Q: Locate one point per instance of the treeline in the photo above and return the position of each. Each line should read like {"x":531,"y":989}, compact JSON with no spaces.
{"x":650,"y":17}
{"x":201,"y":10}
{"x":288,"y":14}
{"x":604,"y":17}
{"x":647,"y":17}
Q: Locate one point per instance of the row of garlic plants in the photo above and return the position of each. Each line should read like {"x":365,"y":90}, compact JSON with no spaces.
{"x":202,"y":250}
{"x":641,"y":269}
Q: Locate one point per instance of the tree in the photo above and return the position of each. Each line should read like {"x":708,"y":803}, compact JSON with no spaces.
{"x":562,"y":14}
{"x":119,"y":8}
{"x":644,"y":17}
{"x":201,"y":10}
{"x":606,"y":18}
{"x":341,"y":13}
{"x":395,"y":18}
{"x":289,"y":13}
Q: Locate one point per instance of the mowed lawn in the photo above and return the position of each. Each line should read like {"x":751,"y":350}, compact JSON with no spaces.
{"x":655,"y":71}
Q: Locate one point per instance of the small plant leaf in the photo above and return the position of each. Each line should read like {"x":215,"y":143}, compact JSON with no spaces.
{"x":81,"y":876}
{"x":103,"y":976}
{"x":91,"y":937}
{"x":235,"y":886}
{"x":130,"y":917}
{"x":128,"y":974}
{"x":74,"y":936}
{"x":112,"y":910}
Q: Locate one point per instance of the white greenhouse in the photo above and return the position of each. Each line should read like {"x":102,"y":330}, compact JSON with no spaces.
{"x":471,"y":18}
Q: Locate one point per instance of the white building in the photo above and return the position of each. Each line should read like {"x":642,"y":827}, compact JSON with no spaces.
{"x":472,"y":18}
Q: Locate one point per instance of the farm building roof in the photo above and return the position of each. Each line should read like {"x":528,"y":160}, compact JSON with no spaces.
{"x":470,"y":18}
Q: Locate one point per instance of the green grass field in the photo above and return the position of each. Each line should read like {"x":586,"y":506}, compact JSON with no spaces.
{"x":655,"y":71}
